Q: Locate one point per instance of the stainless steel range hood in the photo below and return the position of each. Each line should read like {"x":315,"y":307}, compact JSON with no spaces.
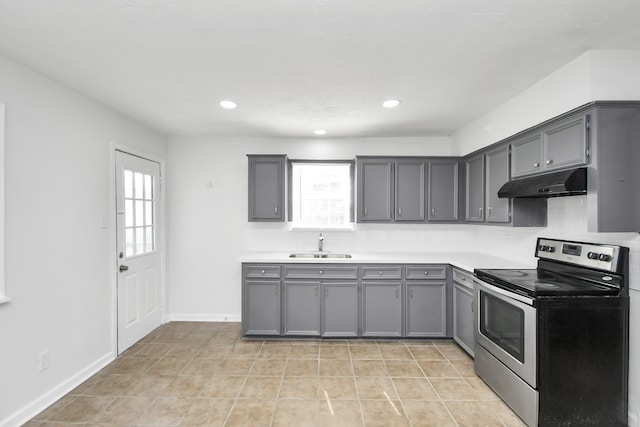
{"x":571,"y":182}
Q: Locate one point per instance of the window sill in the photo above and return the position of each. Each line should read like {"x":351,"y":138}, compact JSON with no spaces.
{"x":350,"y":227}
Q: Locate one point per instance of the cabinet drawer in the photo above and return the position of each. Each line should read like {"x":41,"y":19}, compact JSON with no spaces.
{"x":262,"y":271}
{"x":426,"y":272}
{"x":463,"y":277}
{"x":320,"y":272}
{"x":382,"y":272}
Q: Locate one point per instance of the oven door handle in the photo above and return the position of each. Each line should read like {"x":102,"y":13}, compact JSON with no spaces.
{"x":504,"y":293}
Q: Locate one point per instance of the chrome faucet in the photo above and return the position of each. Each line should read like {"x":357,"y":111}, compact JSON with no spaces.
{"x":320,"y":242}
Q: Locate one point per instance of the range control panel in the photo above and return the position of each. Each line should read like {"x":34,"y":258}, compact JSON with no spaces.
{"x":592,"y":255}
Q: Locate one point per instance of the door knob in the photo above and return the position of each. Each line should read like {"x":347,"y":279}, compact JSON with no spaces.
{"x":123,"y":268}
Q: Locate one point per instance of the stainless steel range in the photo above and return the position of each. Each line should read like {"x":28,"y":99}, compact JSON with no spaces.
{"x":553,"y":341}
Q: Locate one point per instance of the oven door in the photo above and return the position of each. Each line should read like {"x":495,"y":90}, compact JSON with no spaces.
{"x":506,"y":328}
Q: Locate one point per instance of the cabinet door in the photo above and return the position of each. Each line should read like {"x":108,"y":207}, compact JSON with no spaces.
{"x":475,"y":189}
{"x":382,"y":309}
{"x":497,"y":174}
{"x":302,"y":308}
{"x":375,"y":183}
{"x":340,"y":309}
{"x":426,"y":309}
{"x":443,"y":191}
{"x":526,"y":155}
{"x":409,"y":190}
{"x":261,"y":307}
{"x":266,"y":188}
{"x":463,"y":326}
{"x":565,"y":144}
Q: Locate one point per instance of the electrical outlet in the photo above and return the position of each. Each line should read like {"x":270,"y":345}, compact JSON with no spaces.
{"x":44,"y":360}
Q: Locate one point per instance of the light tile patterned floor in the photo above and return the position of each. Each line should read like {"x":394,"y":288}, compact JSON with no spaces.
{"x":204,"y":374}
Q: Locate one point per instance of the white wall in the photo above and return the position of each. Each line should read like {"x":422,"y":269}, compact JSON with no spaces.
{"x":207,"y":213}
{"x":58,"y":272}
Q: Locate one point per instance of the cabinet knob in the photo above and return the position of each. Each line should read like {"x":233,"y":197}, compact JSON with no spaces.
{"x":536,"y":165}
{"x":426,"y":273}
{"x":548,"y":162}
{"x":320,"y":272}
{"x":262,"y":272}
{"x":380,"y":272}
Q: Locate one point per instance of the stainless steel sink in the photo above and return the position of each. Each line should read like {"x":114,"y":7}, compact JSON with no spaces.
{"x":316,"y":255}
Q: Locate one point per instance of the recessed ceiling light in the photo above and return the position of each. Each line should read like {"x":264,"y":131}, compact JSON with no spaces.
{"x":320,"y":132}
{"x":391,"y":103}
{"x":229,"y":105}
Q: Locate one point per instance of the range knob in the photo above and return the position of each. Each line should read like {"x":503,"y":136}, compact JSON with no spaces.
{"x":551,"y":249}
{"x":544,"y":248}
{"x":592,"y":255}
{"x":604,"y":257}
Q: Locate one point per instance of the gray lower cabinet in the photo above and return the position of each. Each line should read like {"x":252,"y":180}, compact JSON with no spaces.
{"x":346,"y":300}
{"x":302,"y":308}
{"x":261,"y":307}
{"x":426,"y":312}
{"x":381,"y":308}
{"x":463,"y":310}
{"x":340,"y":309}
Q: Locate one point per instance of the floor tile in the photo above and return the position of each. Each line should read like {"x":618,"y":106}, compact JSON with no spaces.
{"x":185,"y":386}
{"x":426,"y":353}
{"x":369,"y":368}
{"x":82,"y":409}
{"x":369,"y":351}
{"x":261,"y":388}
{"x":375,"y":388}
{"x":337,"y":388}
{"x":255,"y":413}
{"x":395,"y":352}
{"x":299,"y":387}
{"x":307,"y":351}
{"x":268,"y":367}
{"x":165,"y":411}
{"x":123,"y":410}
{"x":340,"y":413}
{"x":428,"y":414}
{"x":453,"y":389}
{"x":403,"y":368}
{"x":414,"y":389}
{"x":301,"y":368}
{"x":336,"y":367}
{"x":383,"y":413}
{"x":226,"y":387}
{"x":298,"y":412}
{"x":335,"y":352}
{"x":472,"y":414}
{"x":439,"y":368}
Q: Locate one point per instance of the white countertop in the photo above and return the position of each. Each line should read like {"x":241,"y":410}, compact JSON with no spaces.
{"x":465,"y":260}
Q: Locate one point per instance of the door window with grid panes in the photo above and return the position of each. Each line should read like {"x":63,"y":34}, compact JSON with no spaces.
{"x":139,"y":209}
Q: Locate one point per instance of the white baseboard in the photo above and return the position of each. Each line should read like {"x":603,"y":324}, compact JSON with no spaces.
{"x":43,"y":402}
{"x":177,"y":317}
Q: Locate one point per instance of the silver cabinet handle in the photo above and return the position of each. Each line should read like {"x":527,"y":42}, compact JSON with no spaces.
{"x":548,"y":162}
{"x":480,"y":212}
{"x":411,"y":293}
{"x":536,"y":165}
{"x":433,"y":213}
{"x":326,"y":292}
{"x":365,"y":211}
{"x":399,"y":211}
{"x":315,"y":291}
{"x":489,"y":211}
{"x":275,"y":210}
{"x":473,"y":307}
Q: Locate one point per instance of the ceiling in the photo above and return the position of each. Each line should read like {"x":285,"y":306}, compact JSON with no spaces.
{"x":293,"y":66}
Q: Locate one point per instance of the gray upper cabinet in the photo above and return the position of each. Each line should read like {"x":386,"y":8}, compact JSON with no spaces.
{"x":340,"y":309}
{"x":443,"y":190}
{"x":302,"y":308}
{"x":475,"y":189}
{"x":565,"y":143}
{"x":409,"y":190}
{"x":375,"y":187}
{"x":497,"y":174}
{"x":266,"y":188}
{"x":526,"y":155}
{"x":558,"y":145}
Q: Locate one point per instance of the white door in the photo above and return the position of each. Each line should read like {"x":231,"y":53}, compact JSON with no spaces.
{"x":138,"y":246}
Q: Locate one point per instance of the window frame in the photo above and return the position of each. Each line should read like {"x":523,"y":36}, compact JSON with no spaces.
{"x":289,"y":186}
{"x":3,"y":295}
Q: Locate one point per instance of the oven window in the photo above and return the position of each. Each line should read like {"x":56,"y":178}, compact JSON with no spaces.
{"x":502,"y":323}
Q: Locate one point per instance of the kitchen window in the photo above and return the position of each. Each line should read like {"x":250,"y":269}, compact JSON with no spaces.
{"x":321,"y":194}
